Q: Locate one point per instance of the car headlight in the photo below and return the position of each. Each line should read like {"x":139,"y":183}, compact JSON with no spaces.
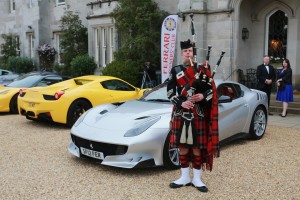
{"x":3,"y":91}
{"x":80,"y":119}
{"x":141,"y":127}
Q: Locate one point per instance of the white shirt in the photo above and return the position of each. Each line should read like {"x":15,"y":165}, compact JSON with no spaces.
{"x":267,"y":67}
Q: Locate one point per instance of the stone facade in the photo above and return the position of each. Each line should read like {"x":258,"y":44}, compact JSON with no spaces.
{"x":218,"y":23}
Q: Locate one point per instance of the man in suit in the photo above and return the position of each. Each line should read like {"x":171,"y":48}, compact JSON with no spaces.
{"x":265,"y":74}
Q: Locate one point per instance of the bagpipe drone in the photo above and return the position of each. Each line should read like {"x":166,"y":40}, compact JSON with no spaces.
{"x":201,"y":73}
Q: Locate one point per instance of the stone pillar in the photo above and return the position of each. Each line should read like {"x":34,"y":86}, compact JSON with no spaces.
{"x":293,"y":49}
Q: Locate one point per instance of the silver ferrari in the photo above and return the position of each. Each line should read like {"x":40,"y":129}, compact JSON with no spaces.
{"x":136,"y":133}
{"x":7,"y":77}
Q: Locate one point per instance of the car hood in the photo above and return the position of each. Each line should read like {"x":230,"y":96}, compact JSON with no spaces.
{"x":128,"y":115}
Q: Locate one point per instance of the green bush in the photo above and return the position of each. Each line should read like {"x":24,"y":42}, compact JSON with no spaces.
{"x":62,"y":69}
{"x":20,"y":64}
{"x":127,"y":70}
{"x":3,"y":65}
{"x":82,"y":65}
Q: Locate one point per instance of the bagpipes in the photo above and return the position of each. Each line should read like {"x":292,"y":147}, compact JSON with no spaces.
{"x":199,"y":80}
{"x":203,"y":77}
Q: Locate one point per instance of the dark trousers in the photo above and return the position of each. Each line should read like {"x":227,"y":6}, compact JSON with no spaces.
{"x":267,"y":89}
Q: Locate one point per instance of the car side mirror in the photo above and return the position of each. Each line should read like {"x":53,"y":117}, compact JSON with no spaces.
{"x":224,"y":99}
{"x":137,"y":89}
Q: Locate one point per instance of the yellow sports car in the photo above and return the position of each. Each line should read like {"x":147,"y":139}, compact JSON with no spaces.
{"x":9,"y":93}
{"x":64,"y":102}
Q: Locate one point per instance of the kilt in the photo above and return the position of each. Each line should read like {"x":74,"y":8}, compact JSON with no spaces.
{"x":198,"y":125}
{"x":205,"y":132}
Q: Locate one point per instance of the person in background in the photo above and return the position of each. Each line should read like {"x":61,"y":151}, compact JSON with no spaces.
{"x":285,"y":88}
{"x":194,"y":122}
{"x":265,"y":75}
{"x":150,"y":75}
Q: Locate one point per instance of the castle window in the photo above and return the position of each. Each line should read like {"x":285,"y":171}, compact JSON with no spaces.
{"x":12,"y":6}
{"x":60,"y":2}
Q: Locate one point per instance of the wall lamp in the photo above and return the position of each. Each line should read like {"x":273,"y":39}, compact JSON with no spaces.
{"x":181,"y":15}
{"x":245,"y":33}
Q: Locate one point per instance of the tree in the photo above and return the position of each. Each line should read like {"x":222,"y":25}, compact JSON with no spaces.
{"x":139,"y":26}
{"x":8,"y":48}
{"x":74,"y":39}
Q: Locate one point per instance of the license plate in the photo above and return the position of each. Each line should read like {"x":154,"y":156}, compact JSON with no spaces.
{"x":92,"y":153}
{"x":31,"y":105}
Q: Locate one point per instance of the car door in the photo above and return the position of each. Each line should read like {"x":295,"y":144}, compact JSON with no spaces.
{"x":232,"y":115}
{"x":119,"y":90}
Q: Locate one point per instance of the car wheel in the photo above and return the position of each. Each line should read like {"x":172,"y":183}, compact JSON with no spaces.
{"x":170,"y":155}
{"x":77,"y":108}
{"x":258,"y":123}
{"x":13,"y":104}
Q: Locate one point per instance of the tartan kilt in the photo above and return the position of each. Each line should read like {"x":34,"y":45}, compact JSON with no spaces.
{"x":200,"y":128}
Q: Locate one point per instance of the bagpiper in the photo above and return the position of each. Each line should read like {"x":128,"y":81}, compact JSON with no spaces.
{"x":194,"y":122}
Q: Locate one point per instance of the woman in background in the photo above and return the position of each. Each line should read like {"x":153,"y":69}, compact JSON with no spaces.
{"x":285,"y":88}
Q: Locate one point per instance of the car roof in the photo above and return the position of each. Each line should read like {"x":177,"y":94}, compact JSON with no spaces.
{"x":41,"y":73}
{"x":96,"y":77}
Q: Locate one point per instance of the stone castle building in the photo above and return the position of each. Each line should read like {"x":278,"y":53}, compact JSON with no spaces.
{"x":245,"y":29}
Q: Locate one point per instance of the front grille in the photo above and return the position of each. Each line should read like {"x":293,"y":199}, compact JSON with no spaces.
{"x":49,"y":97}
{"x":105,"y":148}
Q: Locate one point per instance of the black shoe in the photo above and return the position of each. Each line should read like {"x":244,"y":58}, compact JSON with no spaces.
{"x":174,"y":185}
{"x":201,"y":189}
{"x":270,"y":114}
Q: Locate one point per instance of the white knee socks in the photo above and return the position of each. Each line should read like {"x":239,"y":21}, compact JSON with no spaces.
{"x":197,"y":173}
{"x":185,"y":177}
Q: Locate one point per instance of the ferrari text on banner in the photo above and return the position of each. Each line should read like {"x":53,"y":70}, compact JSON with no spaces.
{"x":168,"y":43}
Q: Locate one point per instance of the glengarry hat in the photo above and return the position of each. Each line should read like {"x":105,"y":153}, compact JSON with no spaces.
{"x":186,"y":44}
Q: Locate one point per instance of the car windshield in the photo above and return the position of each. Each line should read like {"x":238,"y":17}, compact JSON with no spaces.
{"x":159,"y":93}
{"x":25,"y":81}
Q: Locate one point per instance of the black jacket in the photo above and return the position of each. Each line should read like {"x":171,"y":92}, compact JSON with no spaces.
{"x":286,"y":76}
{"x":262,"y":74}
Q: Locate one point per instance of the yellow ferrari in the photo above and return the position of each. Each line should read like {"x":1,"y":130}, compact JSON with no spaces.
{"x":64,"y":102}
{"x":9,"y":93}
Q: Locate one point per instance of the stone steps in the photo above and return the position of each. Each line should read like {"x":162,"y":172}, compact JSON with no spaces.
{"x":293,"y":108}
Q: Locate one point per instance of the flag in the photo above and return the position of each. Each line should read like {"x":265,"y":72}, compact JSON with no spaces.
{"x":168,"y":43}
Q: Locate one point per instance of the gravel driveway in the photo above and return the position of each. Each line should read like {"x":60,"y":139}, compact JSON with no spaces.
{"x":35,"y":164}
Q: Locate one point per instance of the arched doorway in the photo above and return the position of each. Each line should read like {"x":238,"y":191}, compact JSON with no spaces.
{"x":277,"y":36}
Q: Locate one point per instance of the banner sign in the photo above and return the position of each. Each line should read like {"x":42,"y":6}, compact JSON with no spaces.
{"x":168,"y":43}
